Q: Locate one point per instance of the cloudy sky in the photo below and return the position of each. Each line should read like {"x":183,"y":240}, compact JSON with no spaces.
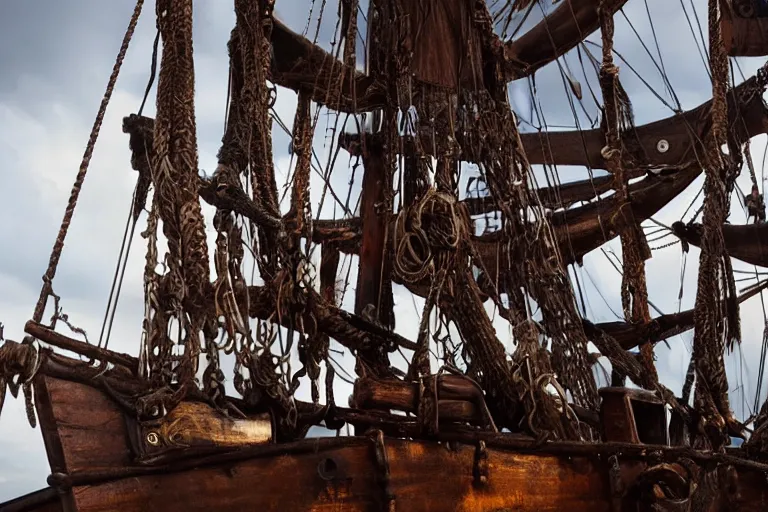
{"x":56,"y":57}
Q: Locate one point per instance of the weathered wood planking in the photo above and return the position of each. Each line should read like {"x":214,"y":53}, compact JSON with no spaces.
{"x":44,"y":500}
{"x":423,"y":477}
{"x":83,"y":429}
{"x":84,"y":433}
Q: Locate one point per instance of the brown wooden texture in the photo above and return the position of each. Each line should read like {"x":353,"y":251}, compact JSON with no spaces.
{"x":44,"y":500}
{"x":85,"y":430}
{"x":370,"y":292}
{"x":423,"y":476}
{"x":87,"y":426}
{"x":562,"y":30}
{"x":745,"y":242}
{"x":300,"y":64}
{"x":404,"y":396}
{"x":660,"y":328}
{"x":682,"y":133}
{"x":340,"y":473}
{"x":195,"y":424}
{"x":445,"y":43}
{"x":745,"y":34}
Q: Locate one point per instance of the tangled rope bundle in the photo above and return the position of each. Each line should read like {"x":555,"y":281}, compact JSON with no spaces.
{"x":18,"y":366}
{"x":427,"y":235}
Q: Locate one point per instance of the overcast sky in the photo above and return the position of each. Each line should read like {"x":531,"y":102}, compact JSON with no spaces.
{"x":56,"y":58}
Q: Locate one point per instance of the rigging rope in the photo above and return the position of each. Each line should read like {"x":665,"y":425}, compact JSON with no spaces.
{"x":133,"y":214}
{"x":58,"y":246}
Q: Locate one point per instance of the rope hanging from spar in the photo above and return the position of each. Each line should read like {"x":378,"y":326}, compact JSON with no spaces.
{"x":58,"y":246}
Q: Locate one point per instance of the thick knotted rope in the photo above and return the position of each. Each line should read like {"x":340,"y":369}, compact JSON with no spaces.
{"x":634,"y":247}
{"x":711,"y":396}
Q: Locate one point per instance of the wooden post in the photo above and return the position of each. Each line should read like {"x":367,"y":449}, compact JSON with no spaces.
{"x":370,"y":300}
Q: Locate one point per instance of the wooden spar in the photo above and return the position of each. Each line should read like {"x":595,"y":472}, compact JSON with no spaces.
{"x":555,"y":35}
{"x":299,"y":64}
{"x":748,"y":242}
{"x":658,"y":329}
{"x":402,"y":396}
{"x":48,"y":335}
{"x":94,"y":467}
{"x":578,"y":230}
{"x":670,"y":142}
{"x":348,"y":329}
{"x":564,"y":195}
{"x":581,"y":230}
{"x":673,"y":142}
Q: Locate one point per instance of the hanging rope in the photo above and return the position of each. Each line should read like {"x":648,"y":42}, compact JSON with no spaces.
{"x":58,"y":246}
{"x":712,"y":324}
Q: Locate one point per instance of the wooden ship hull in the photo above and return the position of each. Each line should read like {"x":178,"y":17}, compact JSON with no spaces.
{"x":195,"y":458}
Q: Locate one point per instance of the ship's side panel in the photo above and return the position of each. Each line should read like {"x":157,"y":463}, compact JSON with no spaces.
{"x":45,"y":500}
{"x":422,"y":477}
{"x":83,"y":429}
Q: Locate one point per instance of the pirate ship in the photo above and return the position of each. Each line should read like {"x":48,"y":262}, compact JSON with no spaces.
{"x":467,"y":423}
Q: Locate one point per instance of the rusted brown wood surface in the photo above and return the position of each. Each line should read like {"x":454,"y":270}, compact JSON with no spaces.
{"x":44,"y":500}
{"x":372,"y":298}
{"x":82,"y":428}
{"x":743,"y":36}
{"x":85,"y":430}
{"x":422,"y":477}
{"x":88,"y":443}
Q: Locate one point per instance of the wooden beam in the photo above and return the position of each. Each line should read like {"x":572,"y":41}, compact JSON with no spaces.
{"x":299,"y":64}
{"x":555,"y":35}
{"x":48,"y":335}
{"x":681,"y":134}
{"x":374,"y":232}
